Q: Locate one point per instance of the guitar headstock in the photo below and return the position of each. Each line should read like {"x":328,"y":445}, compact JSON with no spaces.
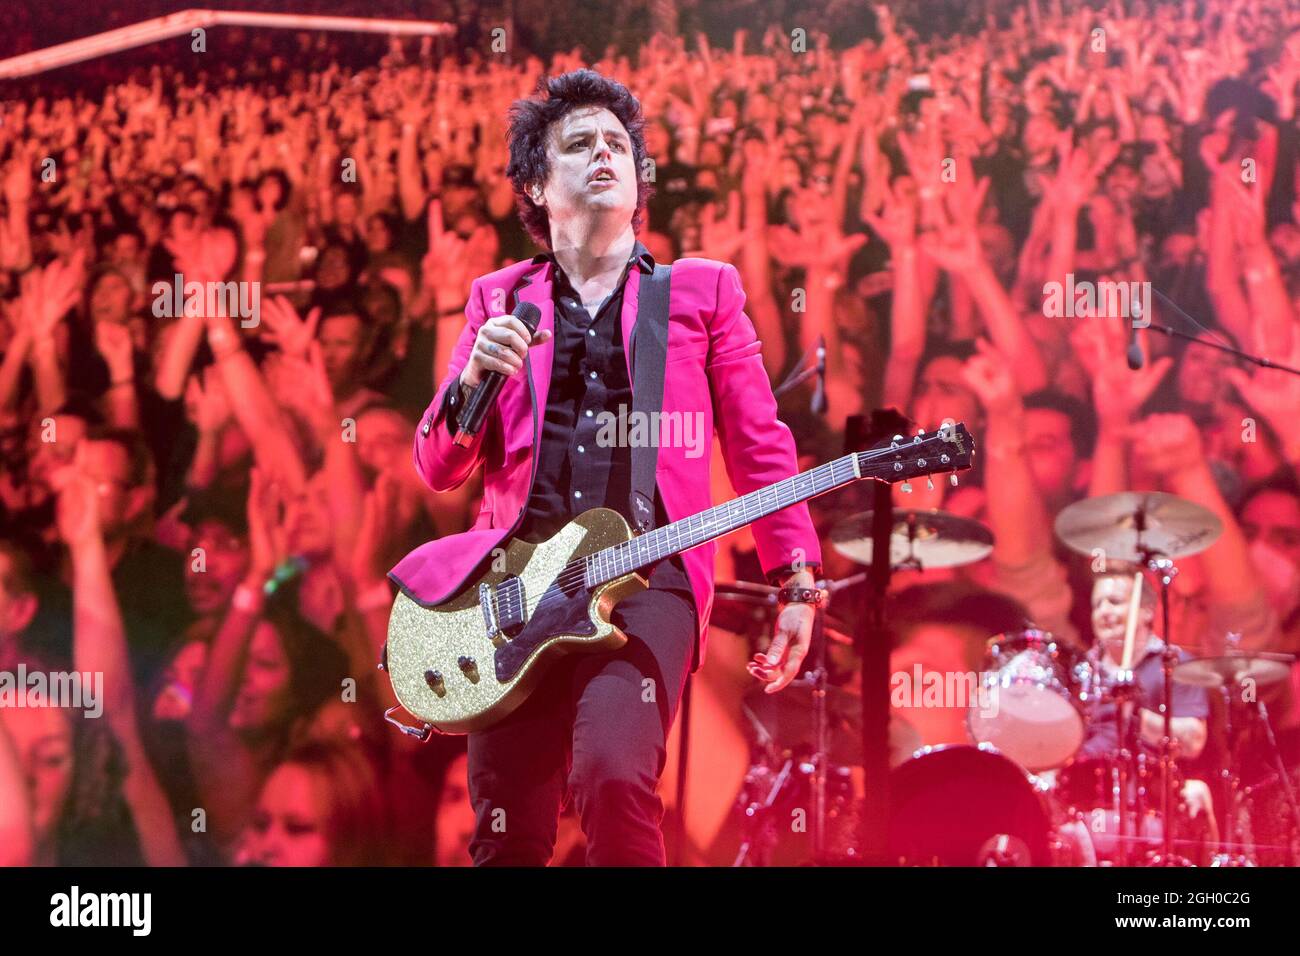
{"x":947,"y":451}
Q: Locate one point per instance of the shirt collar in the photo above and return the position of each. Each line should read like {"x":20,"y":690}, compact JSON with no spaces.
{"x":640,"y":255}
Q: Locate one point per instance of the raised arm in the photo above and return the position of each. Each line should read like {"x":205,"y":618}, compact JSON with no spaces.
{"x":99,"y":647}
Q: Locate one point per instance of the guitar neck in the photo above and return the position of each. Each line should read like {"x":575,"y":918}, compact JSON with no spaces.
{"x":623,"y":559}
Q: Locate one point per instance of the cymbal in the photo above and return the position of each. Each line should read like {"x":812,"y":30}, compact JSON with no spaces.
{"x":919,"y":540}
{"x":1130,"y":525}
{"x":744,"y":606}
{"x":1231,"y":669}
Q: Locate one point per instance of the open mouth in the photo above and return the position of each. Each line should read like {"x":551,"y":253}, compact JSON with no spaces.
{"x":602,"y":175}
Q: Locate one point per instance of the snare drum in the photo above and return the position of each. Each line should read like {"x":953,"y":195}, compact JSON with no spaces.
{"x":967,"y":806}
{"x":1030,"y":707}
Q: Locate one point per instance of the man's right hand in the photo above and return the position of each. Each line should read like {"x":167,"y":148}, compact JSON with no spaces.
{"x":500,"y":346}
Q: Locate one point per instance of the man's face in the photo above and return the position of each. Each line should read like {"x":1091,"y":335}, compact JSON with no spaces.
{"x":941,"y":394}
{"x":1274,"y":517}
{"x":592,"y":171}
{"x":1110,"y":599}
{"x":1201,"y":379}
{"x":340,"y":342}
{"x":225,"y":560}
{"x":1051,"y":452}
{"x":108,"y":465}
{"x":111,"y":299}
{"x":383,"y":440}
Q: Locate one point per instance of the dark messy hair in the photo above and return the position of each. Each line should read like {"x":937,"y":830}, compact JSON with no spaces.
{"x":531,"y":118}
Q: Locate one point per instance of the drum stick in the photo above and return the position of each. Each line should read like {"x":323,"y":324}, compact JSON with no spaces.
{"x":1130,"y":628}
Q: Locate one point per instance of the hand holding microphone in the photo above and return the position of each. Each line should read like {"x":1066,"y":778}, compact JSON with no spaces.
{"x":500,"y":347}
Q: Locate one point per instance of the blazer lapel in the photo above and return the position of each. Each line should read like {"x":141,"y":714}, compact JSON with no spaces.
{"x":536,"y":288}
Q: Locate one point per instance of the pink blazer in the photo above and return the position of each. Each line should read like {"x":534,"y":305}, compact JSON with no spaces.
{"x":713,"y":368}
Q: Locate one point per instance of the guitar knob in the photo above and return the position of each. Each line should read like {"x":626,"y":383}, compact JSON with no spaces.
{"x":907,"y":487}
{"x":952,"y":479}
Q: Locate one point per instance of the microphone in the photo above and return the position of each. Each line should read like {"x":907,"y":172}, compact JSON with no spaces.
{"x":1134,"y":353}
{"x":485,"y":393}
{"x":819,"y":403}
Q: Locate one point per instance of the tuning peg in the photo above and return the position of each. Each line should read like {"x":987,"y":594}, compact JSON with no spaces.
{"x":952,"y":479}
{"x":907,"y":487}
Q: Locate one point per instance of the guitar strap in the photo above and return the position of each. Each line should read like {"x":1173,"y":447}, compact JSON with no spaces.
{"x":649,"y":355}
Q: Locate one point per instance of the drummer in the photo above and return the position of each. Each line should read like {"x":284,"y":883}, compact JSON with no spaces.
{"x":1111,"y":593}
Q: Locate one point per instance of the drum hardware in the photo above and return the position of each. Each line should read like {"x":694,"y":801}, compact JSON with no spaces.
{"x":1149,"y":529}
{"x":1229,"y":674}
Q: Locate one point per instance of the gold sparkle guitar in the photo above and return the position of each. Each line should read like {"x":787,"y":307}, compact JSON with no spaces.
{"x":466,"y":663}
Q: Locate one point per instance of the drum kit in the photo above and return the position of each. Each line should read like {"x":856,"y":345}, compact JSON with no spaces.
{"x":1025,"y":791}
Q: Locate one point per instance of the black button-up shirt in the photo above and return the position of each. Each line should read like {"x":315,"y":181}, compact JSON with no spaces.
{"x":582,"y":464}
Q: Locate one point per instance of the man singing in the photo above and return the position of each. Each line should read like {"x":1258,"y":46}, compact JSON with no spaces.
{"x":597,"y":724}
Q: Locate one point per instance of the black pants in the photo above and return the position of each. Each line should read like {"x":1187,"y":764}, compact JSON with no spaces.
{"x":598,"y":723}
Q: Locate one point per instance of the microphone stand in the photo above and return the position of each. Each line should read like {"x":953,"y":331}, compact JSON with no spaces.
{"x":1244,"y":356}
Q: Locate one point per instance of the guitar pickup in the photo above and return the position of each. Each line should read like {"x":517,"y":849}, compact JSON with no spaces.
{"x":489,"y":611}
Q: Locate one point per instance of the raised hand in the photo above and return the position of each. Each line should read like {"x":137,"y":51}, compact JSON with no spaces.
{"x":206,"y":396}
{"x":990,"y":376}
{"x":446,"y":266}
{"x":1272,"y":393}
{"x":1170,"y":443}
{"x":1117,"y":391}
{"x":1077,"y":175}
{"x":721,"y":235}
{"x":114,"y":343}
{"x":202,"y":255}
{"x":896,"y":222}
{"x":77,"y":510}
{"x":291,"y":333}
{"x":266,"y":525}
{"x":47,"y":294}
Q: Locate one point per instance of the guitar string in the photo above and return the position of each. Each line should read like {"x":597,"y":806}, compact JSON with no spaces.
{"x":576,"y":571}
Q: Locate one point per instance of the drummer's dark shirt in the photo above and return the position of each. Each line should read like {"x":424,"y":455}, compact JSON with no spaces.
{"x":1101,"y":735}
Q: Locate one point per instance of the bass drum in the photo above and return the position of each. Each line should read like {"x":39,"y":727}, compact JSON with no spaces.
{"x":968,"y":806}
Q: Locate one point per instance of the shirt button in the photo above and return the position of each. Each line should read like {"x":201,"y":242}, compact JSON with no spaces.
{"x":577,"y":494}
{"x":589,"y":413}
{"x":581,"y":450}
{"x":592,"y":374}
{"x":591,"y":332}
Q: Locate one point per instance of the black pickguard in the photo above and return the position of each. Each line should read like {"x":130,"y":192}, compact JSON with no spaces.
{"x":559,"y":611}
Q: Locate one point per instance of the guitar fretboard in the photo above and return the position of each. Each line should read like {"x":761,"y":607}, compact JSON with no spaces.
{"x":623,"y":559}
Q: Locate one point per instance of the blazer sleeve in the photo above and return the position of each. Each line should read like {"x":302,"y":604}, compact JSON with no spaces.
{"x":440,"y":462}
{"x":757,"y":448}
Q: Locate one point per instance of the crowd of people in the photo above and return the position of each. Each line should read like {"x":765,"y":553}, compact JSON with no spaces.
{"x":202,"y":503}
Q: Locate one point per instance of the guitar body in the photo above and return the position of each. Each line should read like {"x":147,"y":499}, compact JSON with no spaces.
{"x":466,"y":663}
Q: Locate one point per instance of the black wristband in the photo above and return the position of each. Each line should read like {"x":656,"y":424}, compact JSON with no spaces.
{"x":798,"y":595}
